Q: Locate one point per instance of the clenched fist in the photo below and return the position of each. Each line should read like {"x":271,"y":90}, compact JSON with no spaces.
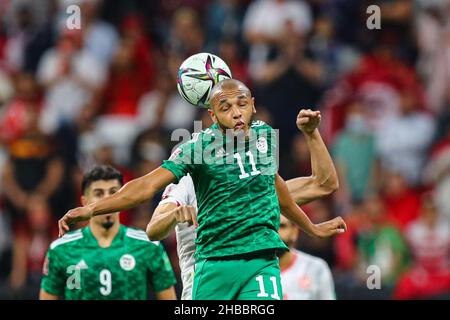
{"x":186,"y":214}
{"x":308,"y":120}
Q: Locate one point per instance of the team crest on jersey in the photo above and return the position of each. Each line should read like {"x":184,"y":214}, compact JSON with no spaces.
{"x":261,"y":145}
{"x":127,"y":262}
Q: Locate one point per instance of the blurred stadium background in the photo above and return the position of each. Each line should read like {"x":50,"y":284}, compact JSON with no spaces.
{"x":107,"y":94}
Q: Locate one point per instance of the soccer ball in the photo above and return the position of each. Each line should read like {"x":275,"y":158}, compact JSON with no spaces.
{"x":197,"y":76}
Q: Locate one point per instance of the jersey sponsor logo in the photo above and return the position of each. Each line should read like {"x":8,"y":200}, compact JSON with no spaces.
{"x":127,"y":262}
{"x":82,"y":264}
{"x":261,"y":145}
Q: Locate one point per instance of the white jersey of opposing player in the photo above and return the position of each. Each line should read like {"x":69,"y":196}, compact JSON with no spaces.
{"x":307,"y":278}
{"x":183,"y":194}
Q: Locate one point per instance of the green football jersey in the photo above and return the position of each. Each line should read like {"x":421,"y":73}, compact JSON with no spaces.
{"x":234,"y":180}
{"x":76,"y":267}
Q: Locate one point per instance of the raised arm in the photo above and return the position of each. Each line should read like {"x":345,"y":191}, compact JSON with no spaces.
{"x":129,"y":196}
{"x":293,"y":212}
{"x":323,"y":180}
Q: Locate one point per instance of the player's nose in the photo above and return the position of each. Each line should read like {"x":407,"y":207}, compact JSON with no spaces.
{"x":236,"y":112}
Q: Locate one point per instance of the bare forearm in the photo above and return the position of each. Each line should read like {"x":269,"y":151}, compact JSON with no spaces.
{"x":162,"y":223}
{"x":296,"y":215}
{"x":322,"y":166}
{"x":133,"y":192}
{"x":290,"y":209}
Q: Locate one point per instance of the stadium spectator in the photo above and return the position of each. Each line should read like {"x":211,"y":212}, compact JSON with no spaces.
{"x":68,"y":70}
{"x":437,"y":170}
{"x":289,"y":77}
{"x":223,"y":20}
{"x":403,"y":139}
{"x":31,"y":240}
{"x":429,"y":240}
{"x":99,"y":37}
{"x":182,"y":42}
{"x":355,"y":156}
{"x":161,"y":108}
{"x":262,"y":30}
{"x":402,"y":202}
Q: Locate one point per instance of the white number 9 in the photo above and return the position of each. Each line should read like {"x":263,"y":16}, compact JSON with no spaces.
{"x":105,"y":280}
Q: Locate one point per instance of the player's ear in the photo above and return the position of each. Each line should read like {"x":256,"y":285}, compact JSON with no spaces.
{"x":212,"y":115}
{"x":253,"y":105}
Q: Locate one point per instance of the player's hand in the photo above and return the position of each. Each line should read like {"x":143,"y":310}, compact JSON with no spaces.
{"x":330,"y":228}
{"x":308,"y":120}
{"x":186,"y":214}
{"x":72,"y":216}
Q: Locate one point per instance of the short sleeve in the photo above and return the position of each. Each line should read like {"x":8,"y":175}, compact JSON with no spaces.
{"x":162,"y":275}
{"x":53,"y":276}
{"x":182,"y":193}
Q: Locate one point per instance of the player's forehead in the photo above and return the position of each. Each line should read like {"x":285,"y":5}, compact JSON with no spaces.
{"x":104,"y":184}
{"x":228,"y":91}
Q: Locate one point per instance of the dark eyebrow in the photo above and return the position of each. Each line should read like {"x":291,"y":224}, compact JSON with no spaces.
{"x":242,"y":96}
{"x":222,"y":101}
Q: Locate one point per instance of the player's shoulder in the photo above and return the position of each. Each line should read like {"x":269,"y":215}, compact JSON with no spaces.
{"x":139,"y":237}
{"x":70,"y":238}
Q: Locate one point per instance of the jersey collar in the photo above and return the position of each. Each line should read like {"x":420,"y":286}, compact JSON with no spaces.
{"x":92,"y":241}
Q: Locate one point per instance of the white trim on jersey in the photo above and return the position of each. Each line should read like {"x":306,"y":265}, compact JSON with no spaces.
{"x":68,"y":237}
{"x":137,"y":234}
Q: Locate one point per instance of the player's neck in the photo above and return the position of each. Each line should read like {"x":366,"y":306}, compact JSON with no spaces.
{"x":286,"y":260}
{"x":104,"y":236}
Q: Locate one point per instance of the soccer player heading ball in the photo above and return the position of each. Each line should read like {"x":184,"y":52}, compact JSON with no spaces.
{"x":233,"y":165}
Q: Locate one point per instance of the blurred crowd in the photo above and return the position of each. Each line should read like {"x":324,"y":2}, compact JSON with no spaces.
{"x":106,"y":93}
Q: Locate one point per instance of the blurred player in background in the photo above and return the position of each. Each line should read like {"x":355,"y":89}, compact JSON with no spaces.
{"x":239,"y":201}
{"x":303,"y":276}
{"x":179,"y":201}
{"x":106,"y":260}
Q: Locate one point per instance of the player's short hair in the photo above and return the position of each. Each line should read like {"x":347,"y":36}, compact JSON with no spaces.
{"x":100,"y":172}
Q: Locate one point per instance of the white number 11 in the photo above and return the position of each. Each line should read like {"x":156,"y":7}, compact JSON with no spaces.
{"x":244,"y":174}
{"x":262,"y":292}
